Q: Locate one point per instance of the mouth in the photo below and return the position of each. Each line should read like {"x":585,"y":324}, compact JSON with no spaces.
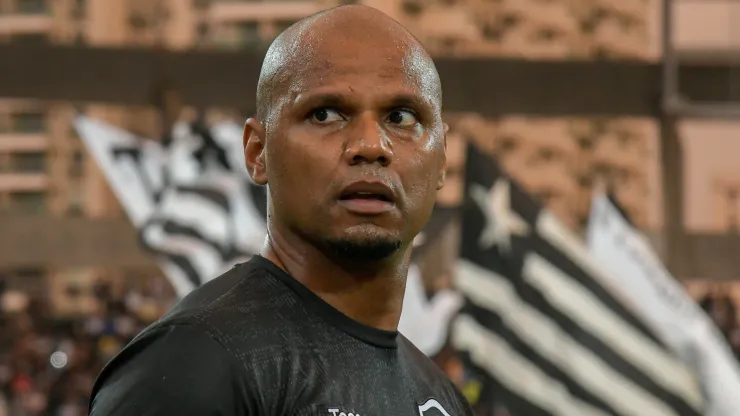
{"x":367,"y":198}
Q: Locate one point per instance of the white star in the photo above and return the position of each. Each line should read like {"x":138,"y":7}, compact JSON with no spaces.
{"x":501,"y":221}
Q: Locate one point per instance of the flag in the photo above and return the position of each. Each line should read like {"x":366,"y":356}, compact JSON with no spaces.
{"x":189,"y":197}
{"x":425,"y":319}
{"x":679,"y":321}
{"x":542,"y":326}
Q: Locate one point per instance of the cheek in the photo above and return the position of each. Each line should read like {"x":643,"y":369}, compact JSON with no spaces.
{"x":301,"y":165}
{"x":420,"y":178}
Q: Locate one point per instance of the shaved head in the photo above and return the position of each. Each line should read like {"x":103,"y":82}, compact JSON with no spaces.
{"x":349,"y":135}
{"x":306,"y":45}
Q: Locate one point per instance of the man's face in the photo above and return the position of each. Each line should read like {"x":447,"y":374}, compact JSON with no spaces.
{"x":356,"y":149}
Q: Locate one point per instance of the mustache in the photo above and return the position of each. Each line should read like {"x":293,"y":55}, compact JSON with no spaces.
{"x":373,"y":174}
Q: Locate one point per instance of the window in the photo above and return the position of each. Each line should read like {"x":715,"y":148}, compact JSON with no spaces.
{"x":30,"y":39}
{"x":591,"y":22}
{"x":202,"y":30}
{"x":138,"y":21}
{"x":78,"y":9}
{"x":492,"y":32}
{"x":510,"y":20}
{"x":28,"y":162}
{"x":281,"y":25}
{"x":547,"y":154}
{"x":80,"y":39}
{"x":29,"y":202}
{"x":77,"y":164}
{"x":731,"y":197}
{"x":624,"y":139}
{"x":585,"y":142}
{"x":627,"y":23}
{"x":249,"y":34}
{"x":545,"y":34}
{"x":545,"y":196}
{"x":32,"y":6}
{"x":412,"y":8}
{"x":623,"y":176}
{"x":507,"y":144}
{"x":29,"y":122}
{"x":5,"y":163}
{"x":75,"y":209}
{"x":202,"y":4}
{"x":75,"y":202}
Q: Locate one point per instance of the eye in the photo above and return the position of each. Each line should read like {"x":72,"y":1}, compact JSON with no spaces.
{"x":326,"y":115}
{"x":403,"y":118}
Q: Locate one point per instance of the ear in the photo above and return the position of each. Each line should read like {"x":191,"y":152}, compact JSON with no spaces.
{"x":254,"y":150}
{"x":443,"y":169}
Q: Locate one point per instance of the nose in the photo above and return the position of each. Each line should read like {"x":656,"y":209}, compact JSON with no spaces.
{"x":368,"y":143}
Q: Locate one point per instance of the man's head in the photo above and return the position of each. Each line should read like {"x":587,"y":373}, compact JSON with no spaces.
{"x":348,"y":135}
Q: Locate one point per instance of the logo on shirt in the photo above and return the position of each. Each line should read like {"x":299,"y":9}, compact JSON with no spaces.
{"x":432,"y":408}
{"x":338,"y":412}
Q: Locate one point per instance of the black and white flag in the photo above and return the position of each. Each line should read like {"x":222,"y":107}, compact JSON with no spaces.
{"x":678,"y":320}
{"x":541,"y":325}
{"x":190,"y":197}
{"x":425,"y":320}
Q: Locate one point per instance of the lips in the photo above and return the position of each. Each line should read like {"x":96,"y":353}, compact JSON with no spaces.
{"x":367,"y":198}
{"x":367,"y":190}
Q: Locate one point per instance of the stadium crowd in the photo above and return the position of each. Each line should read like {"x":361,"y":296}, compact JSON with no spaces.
{"x":48,"y":364}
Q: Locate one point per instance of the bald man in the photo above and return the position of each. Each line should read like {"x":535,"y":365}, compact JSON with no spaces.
{"x":350,"y":142}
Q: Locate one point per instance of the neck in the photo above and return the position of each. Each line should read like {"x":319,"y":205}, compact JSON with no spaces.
{"x":368,"y":292}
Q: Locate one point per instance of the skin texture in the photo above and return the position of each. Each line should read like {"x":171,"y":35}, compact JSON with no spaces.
{"x":347,"y":95}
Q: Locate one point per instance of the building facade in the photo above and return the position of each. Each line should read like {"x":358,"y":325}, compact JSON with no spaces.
{"x":556,"y":159}
{"x":44,"y":169}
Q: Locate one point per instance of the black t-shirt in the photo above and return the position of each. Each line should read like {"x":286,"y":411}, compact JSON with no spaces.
{"x":255,"y":341}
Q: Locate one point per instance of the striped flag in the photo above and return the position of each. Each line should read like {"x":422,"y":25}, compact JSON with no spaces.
{"x":189,"y":197}
{"x":425,"y":320}
{"x":542,"y":327}
{"x":680,"y":322}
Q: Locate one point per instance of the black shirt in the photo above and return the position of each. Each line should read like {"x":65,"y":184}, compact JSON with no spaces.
{"x":255,"y":341}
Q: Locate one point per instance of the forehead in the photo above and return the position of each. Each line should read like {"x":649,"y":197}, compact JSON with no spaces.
{"x":390,"y":64}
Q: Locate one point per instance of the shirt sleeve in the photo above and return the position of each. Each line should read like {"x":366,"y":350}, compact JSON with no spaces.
{"x":176,"y":370}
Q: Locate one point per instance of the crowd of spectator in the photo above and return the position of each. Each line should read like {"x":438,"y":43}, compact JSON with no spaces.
{"x":48,"y":364}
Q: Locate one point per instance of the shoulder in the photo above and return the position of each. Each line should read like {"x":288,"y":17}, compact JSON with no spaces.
{"x":172,"y":370}
{"x":420,"y":362}
{"x":235,"y":305}
{"x":251,"y":310}
{"x":438,"y":383}
{"x":223,"y":339}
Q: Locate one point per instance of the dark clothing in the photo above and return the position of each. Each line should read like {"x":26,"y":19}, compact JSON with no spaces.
{"x":255,"y":341}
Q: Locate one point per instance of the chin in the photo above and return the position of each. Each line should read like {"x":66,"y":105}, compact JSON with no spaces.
{"x":365,"y":244}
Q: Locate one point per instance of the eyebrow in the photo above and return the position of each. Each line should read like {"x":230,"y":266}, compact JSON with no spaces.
{"x":408,"y":100}
{"x":324,"y":99}
{"x":411,"y":101}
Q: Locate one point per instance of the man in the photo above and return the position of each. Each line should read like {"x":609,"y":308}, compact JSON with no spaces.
{"x":350,"y":141}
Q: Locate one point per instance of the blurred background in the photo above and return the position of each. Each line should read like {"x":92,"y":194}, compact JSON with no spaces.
{"x":573,"y":94}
